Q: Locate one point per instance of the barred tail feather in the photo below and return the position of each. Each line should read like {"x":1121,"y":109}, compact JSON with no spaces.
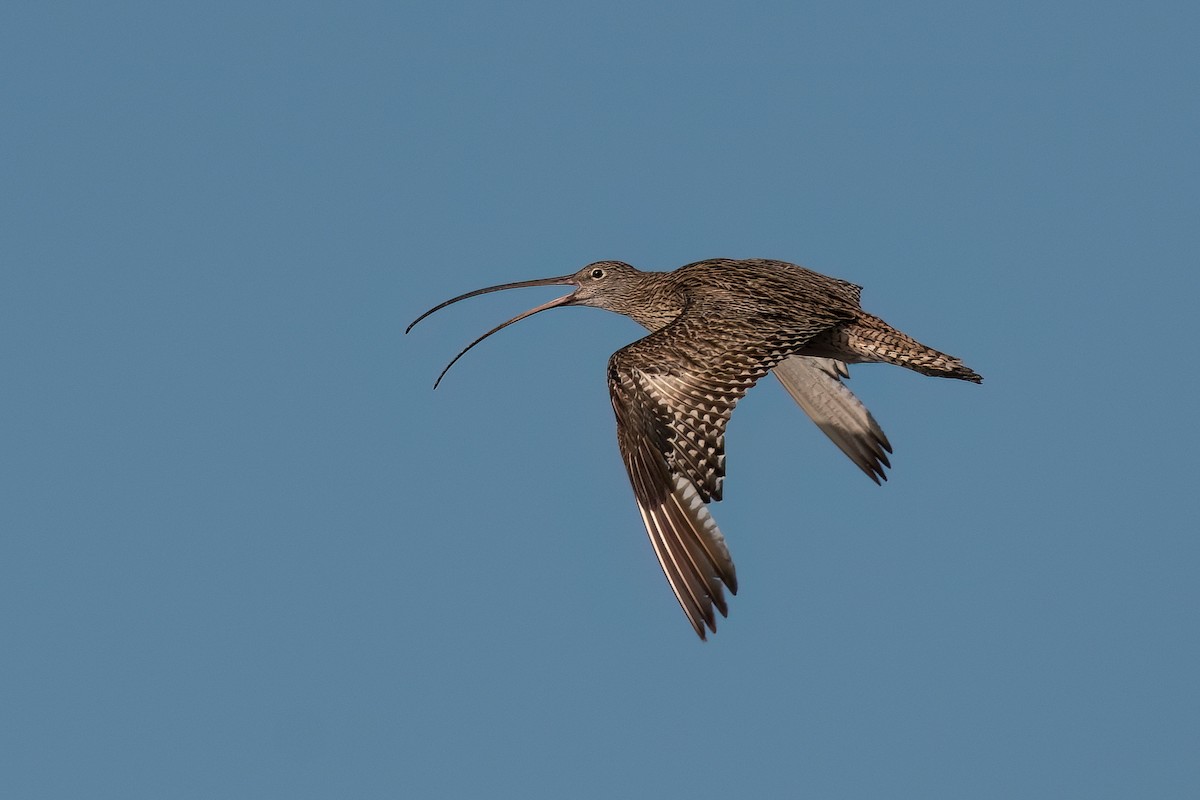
{"x":874,"y":340}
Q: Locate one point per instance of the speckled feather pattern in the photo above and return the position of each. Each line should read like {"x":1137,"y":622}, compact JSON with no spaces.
{"x":716,"y":328}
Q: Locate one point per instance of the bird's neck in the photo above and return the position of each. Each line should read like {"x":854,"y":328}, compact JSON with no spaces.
{"x":659,"y":301}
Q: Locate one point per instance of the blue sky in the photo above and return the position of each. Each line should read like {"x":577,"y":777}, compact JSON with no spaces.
{"x":247,"y":551}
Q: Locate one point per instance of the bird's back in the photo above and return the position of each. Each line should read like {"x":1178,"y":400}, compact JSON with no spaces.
{"x":766,"y":290}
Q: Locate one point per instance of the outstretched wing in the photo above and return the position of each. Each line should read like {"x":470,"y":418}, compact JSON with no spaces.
{"x":673,"y":393}
{"x":816,"y":386}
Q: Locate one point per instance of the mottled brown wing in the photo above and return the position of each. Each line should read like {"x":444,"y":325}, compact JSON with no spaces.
{"x":673,"y":393}
{"x":816,"y":386}
{"x":689,"y":547}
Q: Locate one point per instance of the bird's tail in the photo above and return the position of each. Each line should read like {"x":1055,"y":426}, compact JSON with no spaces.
{"x":872,"y":339}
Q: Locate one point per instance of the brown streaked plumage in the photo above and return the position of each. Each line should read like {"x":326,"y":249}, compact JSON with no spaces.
{"x":716,"y":327}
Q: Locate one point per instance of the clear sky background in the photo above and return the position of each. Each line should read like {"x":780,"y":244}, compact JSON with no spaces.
{"x":247,"y":552}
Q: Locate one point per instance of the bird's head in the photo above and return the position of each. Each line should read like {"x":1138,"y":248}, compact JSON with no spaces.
{"x":603,"y":284}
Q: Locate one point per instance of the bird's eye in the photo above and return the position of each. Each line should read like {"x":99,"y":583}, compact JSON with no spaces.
{"x":597,"y":273}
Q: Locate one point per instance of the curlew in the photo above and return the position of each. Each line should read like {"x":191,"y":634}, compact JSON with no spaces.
{"x":716,"y":327}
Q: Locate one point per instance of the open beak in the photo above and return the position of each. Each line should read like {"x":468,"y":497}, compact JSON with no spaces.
{"x":565,"y":300}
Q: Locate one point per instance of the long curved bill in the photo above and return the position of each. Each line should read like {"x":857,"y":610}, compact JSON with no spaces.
{"x":560,"y":301}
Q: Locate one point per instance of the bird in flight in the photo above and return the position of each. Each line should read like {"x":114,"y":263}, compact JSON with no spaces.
{"x":717,"y":327}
